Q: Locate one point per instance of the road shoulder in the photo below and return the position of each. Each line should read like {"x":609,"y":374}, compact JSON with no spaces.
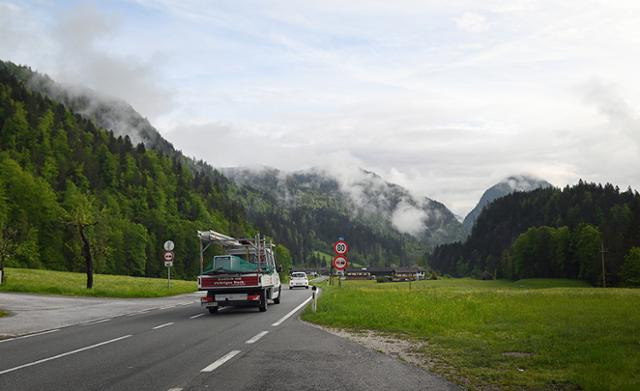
{"x":303,"y":356}
{"x":31,"y":313}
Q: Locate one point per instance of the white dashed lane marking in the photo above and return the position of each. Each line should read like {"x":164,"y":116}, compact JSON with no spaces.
{"x":257,"y":337}
{"x":221,"y":361}
{"x":162,"y":325}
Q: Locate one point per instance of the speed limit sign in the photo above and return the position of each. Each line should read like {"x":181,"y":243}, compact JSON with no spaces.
{"x":341,"y":247}
{"x":169,"y":245}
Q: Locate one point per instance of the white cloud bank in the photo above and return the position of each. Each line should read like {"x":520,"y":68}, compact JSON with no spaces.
{"x":409,"y":219}
{"x":445,"y":99}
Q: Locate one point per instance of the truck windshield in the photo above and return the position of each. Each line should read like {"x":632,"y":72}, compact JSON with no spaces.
{"x":234,"y":264}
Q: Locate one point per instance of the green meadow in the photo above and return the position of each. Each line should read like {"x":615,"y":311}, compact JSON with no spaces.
{"x":528,"y":334}
{"x":104,"y":285}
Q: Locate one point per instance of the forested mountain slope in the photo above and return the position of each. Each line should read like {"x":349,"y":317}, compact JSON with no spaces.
{"x":308,"y":212}
{"x":56,"y":163}
{"x":549,"y":232}
{"x":364,"y":207}
{"x":385,"y":225}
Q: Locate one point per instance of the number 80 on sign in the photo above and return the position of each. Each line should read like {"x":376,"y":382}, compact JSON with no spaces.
{"x":341,"y":247}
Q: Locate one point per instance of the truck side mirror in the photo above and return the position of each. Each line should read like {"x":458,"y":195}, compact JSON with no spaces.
{"x":314,"y":288}
{"x":279,"y":268}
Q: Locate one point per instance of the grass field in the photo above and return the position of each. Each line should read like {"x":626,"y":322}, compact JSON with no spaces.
{"x":528,"y":334}
{"x":74,"y":284}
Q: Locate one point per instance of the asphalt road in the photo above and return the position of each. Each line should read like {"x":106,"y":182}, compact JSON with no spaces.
{"x":181,"y":347}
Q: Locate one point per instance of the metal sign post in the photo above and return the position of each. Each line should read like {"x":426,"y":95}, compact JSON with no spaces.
{"x":168,"y":262}
{"x":340,"y":261}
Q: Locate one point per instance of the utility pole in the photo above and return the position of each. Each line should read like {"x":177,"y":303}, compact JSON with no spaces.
{"x":602,"y":251}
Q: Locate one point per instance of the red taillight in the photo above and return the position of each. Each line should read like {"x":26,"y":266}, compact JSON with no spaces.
{"x":253,"y":297}
{"x":206,"y":299}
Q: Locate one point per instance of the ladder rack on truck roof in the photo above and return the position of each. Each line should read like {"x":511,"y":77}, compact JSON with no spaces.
{"x":233,"y":246}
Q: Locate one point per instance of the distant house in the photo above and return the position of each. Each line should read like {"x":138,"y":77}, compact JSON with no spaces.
{"x":409,"y":273}
{"x":380,"y":271}
{"x":357,"y":274}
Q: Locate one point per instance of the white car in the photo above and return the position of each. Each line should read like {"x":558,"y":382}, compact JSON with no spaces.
{"x":298,"y":279}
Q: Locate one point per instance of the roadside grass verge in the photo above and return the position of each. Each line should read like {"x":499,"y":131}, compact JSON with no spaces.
{"x":104,"y":285}
{"x":3,"y":313}
{"x":528,"y":334}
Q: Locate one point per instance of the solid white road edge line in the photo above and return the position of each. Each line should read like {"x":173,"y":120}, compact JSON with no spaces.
{"x":138,"y":313}
{"x":257,"y":337}
{"x":196,"y":316}
{"x":175,"y":389}
{"x":221,"y":361}
{"x":64,"y":354}
{"x":27,"y":336}
{"x":167,"y":307}
{"x":162,"y":325}
{"x":96,"y":322}
{"x":293,"y":311}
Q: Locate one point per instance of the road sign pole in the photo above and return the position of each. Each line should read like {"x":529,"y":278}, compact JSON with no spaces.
{"x":168,"y":258}
{"x":340,"y":261}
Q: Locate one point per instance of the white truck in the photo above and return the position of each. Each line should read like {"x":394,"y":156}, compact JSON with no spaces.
{"x":246,"y":275}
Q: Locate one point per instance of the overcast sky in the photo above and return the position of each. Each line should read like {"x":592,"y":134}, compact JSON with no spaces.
{"x":442,"y":97}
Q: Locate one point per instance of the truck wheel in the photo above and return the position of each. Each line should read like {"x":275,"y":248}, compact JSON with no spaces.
{"x":277,"y":300}
{"x":263,"y":301}
{"x":213,"y":310}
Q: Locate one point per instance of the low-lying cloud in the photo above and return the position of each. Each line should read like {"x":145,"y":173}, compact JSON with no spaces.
{"x":409,"y":219}
{"x":72,"y":48}
{"x":444,"y":99}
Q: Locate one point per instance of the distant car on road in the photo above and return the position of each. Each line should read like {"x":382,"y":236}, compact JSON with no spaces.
{"x":299,"y":279}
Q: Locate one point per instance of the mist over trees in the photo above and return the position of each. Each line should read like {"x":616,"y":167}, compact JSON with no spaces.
{"x":70,"y":192}
{"x":551,"y":232}
{"x":309,"y":225}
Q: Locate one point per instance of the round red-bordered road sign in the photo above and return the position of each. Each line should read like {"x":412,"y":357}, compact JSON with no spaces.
{"x":341,"y":247}
{"x":168,"y":256}
{"x":340,"y":262}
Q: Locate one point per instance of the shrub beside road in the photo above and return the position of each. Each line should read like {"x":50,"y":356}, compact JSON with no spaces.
{"x":74,"y":284}
{"x":534,"y":334}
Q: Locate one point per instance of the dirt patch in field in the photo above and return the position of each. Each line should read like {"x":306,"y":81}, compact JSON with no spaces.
{"x":387,"y":344}
{"x":405,"y":349}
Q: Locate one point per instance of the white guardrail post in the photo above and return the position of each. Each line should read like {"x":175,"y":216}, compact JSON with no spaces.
{"x":314,"y":302}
